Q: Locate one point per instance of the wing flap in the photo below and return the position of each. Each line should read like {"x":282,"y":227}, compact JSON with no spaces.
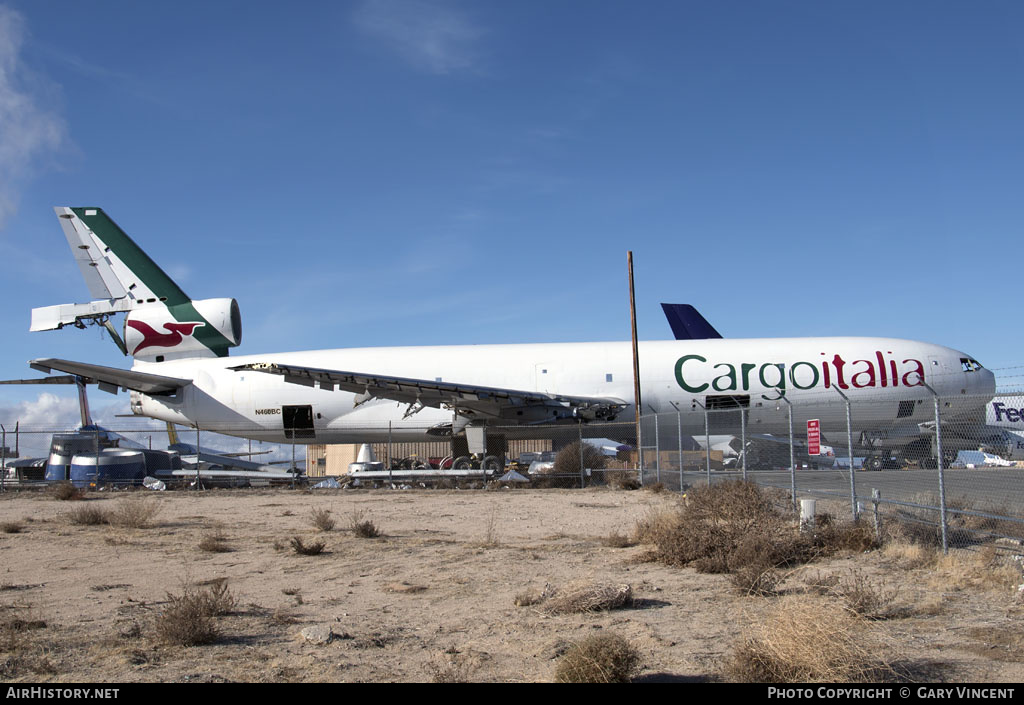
{"x":512,"y":404}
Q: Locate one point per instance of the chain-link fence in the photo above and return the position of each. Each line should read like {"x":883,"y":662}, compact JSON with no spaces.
{"x":953,"y":464}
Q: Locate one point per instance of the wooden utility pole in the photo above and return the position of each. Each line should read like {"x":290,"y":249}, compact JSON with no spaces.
{"x":636,"y":353}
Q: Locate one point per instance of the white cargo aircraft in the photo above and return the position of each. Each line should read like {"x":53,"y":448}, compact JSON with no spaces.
{"x":182,"y":373}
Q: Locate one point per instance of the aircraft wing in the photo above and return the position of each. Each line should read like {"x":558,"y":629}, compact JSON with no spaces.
{"x":109,"y":378}
{"x":513,"y":405}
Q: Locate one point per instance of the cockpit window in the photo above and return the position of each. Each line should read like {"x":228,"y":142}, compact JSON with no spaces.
{"x":970,"y":365}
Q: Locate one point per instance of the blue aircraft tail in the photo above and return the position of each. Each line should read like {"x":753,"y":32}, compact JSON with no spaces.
{"x":687,"y":323}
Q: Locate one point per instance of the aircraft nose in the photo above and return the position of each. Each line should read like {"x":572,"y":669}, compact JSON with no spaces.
{"x":985,"y":383}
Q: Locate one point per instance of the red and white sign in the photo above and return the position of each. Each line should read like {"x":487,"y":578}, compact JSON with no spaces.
{"x":814,"y":437}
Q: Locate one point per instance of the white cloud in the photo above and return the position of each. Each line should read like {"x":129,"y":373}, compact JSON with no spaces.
{"x":431,"y":37}
{"x":28,"y":131}
{"x":49,"y":411}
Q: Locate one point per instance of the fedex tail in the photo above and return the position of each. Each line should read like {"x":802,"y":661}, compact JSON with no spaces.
{"x":162,"y":322}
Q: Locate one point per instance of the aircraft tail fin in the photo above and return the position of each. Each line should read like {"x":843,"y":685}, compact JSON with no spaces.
{"x":687,"y":323}
{"x":162,"y":321}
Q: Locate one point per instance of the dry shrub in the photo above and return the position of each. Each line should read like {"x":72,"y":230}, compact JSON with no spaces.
{"x":616,"y":540}
{"x":86,"y":515}
{"x":65,"y":492}
{"x":450,"y":668}
{"x":190,"y":619}
{"x":321,"y":519}
{"x":805,"y":640}
{"x":567,"y":460}
{"x":588,"y":598}
{"x":214,"y":542}
{"x":363,"y":527}
{"x":303,"y":549}
{"x":602,"y":658}
{"x":727,"y":526}
{"x":11,"y":527}
{"x":134,"y":513}
{"x":861,"y":594}
{"x":529,"y":598}
{"x":832,"y":537}
{"x":756,"y":579}
{"x":622,"y":479}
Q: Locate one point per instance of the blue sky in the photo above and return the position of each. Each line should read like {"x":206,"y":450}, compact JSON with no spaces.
{"x":399,"y":172}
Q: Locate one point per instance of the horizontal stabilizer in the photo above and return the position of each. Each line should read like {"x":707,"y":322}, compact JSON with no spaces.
{"x":114,"y":377}
{"x":687,"y":323}
{"x":60,"y":379}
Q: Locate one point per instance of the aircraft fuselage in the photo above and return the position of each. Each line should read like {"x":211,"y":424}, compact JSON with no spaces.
{"x":876,"y":374}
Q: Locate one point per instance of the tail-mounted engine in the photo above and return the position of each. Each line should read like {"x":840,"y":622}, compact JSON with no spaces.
{"x":206,"y":328}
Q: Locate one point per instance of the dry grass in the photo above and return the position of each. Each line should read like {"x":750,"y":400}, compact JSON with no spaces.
{"x":87,"y":515}
{"x":363,"y":527}
{"x":134,"y":513}
{"x":22,"y":654}
{"x":581,"y":598}
{"x":910,"y":556}
{"x":214,"y":542}
{"x":304,"y":549}
{"x":654,"y":524}
{"x":809,"y":640}
{"x":491,"y":537}
{"x":190,"y":619}
{"x":603,"y":658}
{"x":321,"y":519}
{"x":983,"y":570}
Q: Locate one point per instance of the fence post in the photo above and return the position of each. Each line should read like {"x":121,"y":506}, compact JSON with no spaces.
{"x":707,"y":443}
{"x":391,"y":477}
{"x":743,"y":440}
{"x":942,"y":480}
{"x":579,"y":426}
{"x":792,"y":456}
{"x":679,"y":421}
{"x":938,"y":463}
{"x":640,"y":448}
{"x":876,"y":495}
{"x":657,"y":448}
{"x":849,"y":445}
{"x":199,"y":480}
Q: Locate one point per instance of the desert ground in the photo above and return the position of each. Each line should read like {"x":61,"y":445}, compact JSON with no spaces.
{"x":434,"y":598}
